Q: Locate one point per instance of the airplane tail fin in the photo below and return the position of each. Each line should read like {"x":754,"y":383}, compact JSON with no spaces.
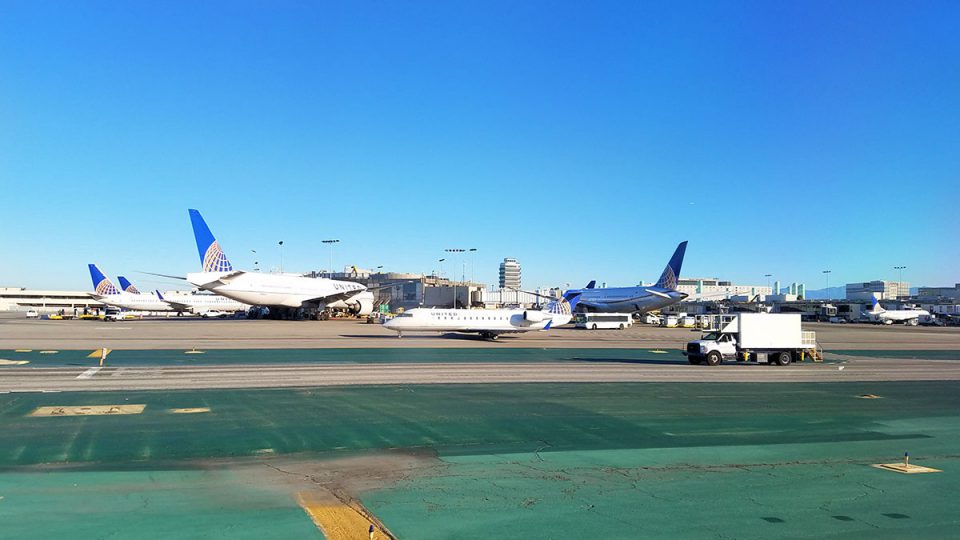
{"x":592,"y":284}
{"x":212,"y":258}
{"x":127,"y":286}
{"x":159,"y":296}
{"x":876,"y":307}
{"x":101,"y":283}
{"x":668,"y":280}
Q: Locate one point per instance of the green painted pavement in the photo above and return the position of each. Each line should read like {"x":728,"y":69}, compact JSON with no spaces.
{"x":534,"y":460}
{"x":909,"y":354}
{"x":146,"y":504}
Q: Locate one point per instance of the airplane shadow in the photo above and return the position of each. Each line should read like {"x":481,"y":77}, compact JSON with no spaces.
{"x":449,"y":335}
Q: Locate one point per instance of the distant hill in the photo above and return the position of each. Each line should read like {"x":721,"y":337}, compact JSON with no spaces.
{"x":833,"y":293}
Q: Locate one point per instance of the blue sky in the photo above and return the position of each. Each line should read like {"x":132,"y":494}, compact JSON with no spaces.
{"x":585,"y":139}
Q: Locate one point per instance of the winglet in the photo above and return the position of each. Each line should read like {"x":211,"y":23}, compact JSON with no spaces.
{"x":668,"y":280}
{"x":212,"y":258}
{"x":127,"y":286}
{"x":101,"y":283}
{"x":160,"y":296}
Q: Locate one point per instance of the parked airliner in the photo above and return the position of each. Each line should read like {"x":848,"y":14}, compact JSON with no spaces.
{"x":635,"y":299}
{"x":272,"y":290}
{"x":909,"y":317}
{"x":489,"y":323}
{"x":106,"y":292}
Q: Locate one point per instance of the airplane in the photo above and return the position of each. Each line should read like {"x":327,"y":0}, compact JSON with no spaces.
{"x":489,"y":323}
{"x":909,"y":317}
{"x":273,"y":290}
{"x":635,"y":299}
{"x":105,"y":291}
{"x":201,"y":302}
{"x":127,"y":286}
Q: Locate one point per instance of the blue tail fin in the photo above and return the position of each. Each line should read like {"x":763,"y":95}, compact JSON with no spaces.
{"x":160,"y":296}
{"x":211,"y":256}
{"x":592,"y":284}
{"x":127,"y":286}
{"x":101,"y":283}
{"x":668,"y":280}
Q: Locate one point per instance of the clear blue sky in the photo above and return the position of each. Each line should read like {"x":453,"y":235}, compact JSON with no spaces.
{"x":585,"y":139}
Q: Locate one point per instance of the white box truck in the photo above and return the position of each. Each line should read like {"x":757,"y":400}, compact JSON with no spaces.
{"x":775,"y":338}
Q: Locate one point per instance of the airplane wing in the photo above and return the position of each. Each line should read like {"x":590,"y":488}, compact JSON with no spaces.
{"x":177,"y":305}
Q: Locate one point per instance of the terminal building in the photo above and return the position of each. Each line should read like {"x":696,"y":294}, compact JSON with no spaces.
{"x":946,"y":293}
{"x":879,"y":289}
{"x":715,"y":288}
{"x":46,"y":301}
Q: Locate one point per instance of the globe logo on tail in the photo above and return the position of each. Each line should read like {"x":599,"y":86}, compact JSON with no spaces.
{"x":105,"y":288}
{"x":215,"y":261}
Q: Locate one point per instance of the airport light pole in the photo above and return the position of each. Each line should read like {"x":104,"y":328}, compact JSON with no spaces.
{"x":473,"y":256}
{"x":827,"y":273}
{"x":330,"y":243}
{"x":256,"y":263}
{"x":281,"y":255}
{"x":899,"y":279}
{"x":461,"y":251}
{"x":441,"y":266}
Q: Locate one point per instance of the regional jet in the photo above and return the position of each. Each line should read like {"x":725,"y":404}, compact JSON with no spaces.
{"x":489,"y":323}
{"x":635,"y":299}
{"x":273,"y":290}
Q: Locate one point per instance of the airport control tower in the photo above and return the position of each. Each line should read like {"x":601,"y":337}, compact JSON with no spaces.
{"x":509,"y":273}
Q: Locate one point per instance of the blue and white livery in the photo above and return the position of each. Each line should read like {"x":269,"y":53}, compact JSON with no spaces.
{"x":635,"y":299}
{"x":274,"y":290}
{"x":489,"y":323}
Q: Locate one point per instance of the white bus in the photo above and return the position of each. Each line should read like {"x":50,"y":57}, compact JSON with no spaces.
{"x":598,"y":321}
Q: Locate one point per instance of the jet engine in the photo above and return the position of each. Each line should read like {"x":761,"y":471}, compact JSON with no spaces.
{"x":533,"y":316}
{"x":361,"y":304}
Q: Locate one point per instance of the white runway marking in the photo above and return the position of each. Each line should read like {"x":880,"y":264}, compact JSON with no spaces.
{"x":89,"y":373}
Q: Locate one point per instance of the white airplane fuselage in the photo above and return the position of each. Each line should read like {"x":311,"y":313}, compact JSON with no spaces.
{"x":478,"y":321}
{"x":201,"y":303}
{"x":283,"y":290}
{"x":134,"y":301}
{"x":899,"y":315}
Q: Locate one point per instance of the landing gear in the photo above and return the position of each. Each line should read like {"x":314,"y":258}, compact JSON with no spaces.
{"x":489,"y":335}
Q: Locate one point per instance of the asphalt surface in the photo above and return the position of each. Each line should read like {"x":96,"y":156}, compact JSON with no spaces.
{"x":17,"y":332}
{"x":318,"y":375}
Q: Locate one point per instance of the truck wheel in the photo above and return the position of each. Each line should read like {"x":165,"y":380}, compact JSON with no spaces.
{"x":783,"y":359}
{"x":621,"y":326}
{"x":714,"y":358}
{"x":594,"y":327}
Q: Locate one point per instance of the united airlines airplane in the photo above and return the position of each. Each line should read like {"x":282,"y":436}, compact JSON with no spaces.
{"x":489,"y":323}
{"x":910,"y":317}
{"x":635,"y":299}
{"x":106,"y":292}
{"x":273,"y":290}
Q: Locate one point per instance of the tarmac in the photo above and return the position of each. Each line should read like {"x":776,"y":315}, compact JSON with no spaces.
{"x":190,"y":332}
{"x":317,"y":429}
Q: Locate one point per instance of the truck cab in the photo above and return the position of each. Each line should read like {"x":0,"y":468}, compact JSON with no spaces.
{"x":712,"y":348}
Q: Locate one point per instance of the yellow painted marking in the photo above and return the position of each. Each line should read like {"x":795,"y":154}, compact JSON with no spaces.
{"x":23,"y":350}
{"x":97,"y":353}
{"x":658,"y":351}
{"x":5,"y":362}
{"x":905,"y":468}
{"x":89,"y":410}
{"x":190,"y":410}
{"x":49,"y":352}
{"x":338,"y":520}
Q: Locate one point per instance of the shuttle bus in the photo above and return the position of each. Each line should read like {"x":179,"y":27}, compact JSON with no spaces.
{"x":599,"y":321}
